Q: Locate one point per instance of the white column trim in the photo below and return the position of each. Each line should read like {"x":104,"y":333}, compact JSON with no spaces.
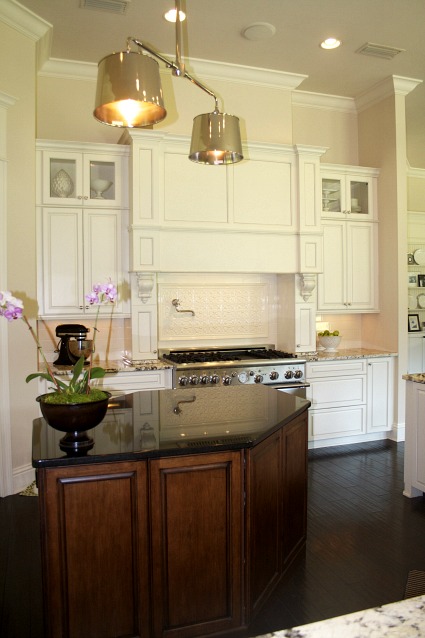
{"x":6,"y":473}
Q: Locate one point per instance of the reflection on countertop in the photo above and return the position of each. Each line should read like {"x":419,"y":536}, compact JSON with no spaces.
{"x":349,"y":353}
{"x":405,"y":618}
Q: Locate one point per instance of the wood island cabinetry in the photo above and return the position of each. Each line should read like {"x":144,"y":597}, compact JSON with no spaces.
{"x":172,"y":545}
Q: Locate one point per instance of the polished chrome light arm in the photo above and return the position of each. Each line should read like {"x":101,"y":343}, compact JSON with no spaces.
{"x":177,"y":67}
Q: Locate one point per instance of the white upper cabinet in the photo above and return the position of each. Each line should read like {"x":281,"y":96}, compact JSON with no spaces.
{"x":82,"y":225}
{"x":349,"y":281}
{"x":349,"y":191}
{"x":80,"y":248}
{"x":74,"y":175}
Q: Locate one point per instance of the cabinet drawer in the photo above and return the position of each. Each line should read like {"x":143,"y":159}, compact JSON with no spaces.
{"x":134,"y":382}
{"x":318,"y":369}
{"x":337,"y":391}
{"x":324,"y":424}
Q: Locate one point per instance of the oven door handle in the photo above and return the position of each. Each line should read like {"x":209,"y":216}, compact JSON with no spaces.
{"x":290,"y":384}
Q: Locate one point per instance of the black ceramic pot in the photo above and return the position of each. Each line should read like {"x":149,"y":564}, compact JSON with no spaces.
{"x":74,"y":419}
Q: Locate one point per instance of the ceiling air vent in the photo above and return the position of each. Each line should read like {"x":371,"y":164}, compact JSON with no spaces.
{"x":379,"y":50}
{"x":112,"y":6}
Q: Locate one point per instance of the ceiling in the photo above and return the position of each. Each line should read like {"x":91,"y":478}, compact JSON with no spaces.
{"x":214,"y":32}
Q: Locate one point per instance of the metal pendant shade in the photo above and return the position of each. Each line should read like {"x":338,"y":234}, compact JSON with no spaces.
{"x":216,"y":139}
{"x":129,"y":94}
{"x":129,"y":91}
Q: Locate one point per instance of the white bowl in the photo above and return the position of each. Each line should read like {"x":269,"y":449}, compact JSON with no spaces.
{"x":100,"y":186}
{"x":330,"y":343}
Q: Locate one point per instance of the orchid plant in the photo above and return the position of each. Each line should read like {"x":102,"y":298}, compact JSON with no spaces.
{"x":78,"y":389}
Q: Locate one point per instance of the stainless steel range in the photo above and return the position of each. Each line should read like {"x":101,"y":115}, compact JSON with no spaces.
{"x":236,"y":366}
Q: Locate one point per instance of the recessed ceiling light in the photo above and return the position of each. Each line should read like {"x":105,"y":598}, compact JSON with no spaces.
{"x":330,"y":43}
{"x":170,"y":15}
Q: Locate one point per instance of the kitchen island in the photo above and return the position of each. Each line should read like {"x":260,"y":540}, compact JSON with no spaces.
{"x":182,"y":518}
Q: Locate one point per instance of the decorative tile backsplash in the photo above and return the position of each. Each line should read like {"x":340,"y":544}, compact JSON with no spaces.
{"x":230,"y":308}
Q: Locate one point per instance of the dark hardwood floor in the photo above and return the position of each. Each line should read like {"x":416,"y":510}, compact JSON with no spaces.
{"x":364,"y":537}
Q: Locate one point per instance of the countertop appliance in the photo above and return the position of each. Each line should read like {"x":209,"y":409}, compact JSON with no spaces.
{"x":72,"y":343}
{"x":237,"y":365}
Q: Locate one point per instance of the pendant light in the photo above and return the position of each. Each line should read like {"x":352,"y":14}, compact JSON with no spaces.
{"x":129,"y":94}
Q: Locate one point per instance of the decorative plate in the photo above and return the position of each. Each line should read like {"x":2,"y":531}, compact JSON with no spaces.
{"x":421,"y":300}
{"x":419,"y":256}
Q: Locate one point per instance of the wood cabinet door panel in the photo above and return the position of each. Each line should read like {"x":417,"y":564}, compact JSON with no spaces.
{"x":264,"y":513}
{"x":96,"y":578}
{"x":294,"y":462}
{"x":196,"y":513}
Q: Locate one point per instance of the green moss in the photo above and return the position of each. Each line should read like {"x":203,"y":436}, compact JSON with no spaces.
{"x":60,"y":398}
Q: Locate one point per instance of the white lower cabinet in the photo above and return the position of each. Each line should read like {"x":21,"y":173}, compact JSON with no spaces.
{"x":350,"y":399}
{"x":127,"y":382}
{"x":380,"y":383}
{"x":414,"y":457}
{"x":416,"y":360}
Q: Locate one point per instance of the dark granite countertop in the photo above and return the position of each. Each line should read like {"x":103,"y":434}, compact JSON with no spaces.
{"x":159,"y":423}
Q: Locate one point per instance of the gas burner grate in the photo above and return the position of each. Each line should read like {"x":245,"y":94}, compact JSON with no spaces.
{"x":270,"y":354}
{"x":200,"y":357}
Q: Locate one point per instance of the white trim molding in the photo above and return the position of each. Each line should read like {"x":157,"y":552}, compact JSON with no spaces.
{"x":6,"y":482}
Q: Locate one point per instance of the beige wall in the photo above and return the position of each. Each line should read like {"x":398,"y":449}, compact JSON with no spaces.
{"x":416,"y":193}
{"x":335,"y":129}
{"x":65,"y":106}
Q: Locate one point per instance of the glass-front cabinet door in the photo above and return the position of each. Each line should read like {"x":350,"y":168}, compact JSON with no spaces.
{"x":352,"y":195}
{"x":81,"y":179}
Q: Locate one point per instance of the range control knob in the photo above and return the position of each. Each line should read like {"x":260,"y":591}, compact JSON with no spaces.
{"x":204,"y":379}
{"x":215,"y":379}
{"x":274,"y":375}
{"x":227,"y":380}
{"x":183,"y":381}
{"x":258,"y":378}
{"x":289,"y":374}
{"x":194,"y":380}
{"x":298,"y":374}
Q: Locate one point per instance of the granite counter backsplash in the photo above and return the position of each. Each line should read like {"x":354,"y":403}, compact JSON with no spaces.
{"x":115,"y":366}
{"x":349,"y":353}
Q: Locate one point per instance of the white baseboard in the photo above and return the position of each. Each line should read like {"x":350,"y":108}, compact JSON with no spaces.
{"x":22,"y":477}
{"x":349,"y":440}
{"x":398,"y":432}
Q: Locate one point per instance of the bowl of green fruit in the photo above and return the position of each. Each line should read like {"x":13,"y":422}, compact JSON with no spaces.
{"x":329,"y":340}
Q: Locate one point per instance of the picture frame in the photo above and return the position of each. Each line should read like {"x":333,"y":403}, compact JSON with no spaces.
{"x":411,"y":280}
{"x":413,"y":323}
{"x":421,"y":281}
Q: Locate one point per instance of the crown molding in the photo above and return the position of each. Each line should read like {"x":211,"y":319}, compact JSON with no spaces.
{"x":30,"y":25}
{"x":23,"y":20}
{"x":69,"y":70}
{"x":392,"y":85}
{"x":415,"y":172}
{"x":206,"y":69}
{"x":323,"y":101}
